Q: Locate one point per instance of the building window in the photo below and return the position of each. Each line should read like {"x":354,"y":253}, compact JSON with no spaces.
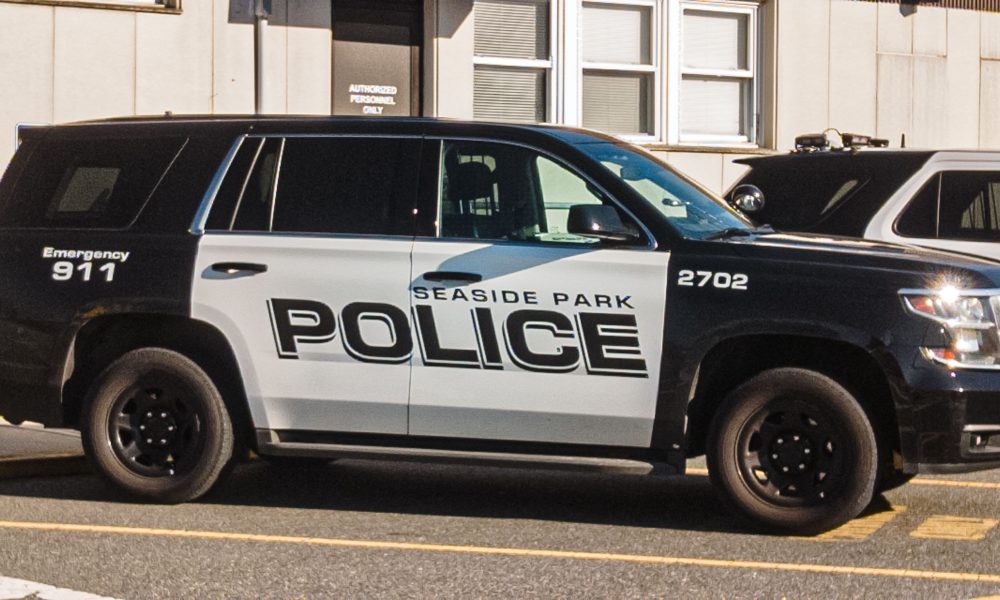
{"x":619,"y":72}
{"x":716,"y":88}
{"x":513,"y":60}
{"x":681,"y":72}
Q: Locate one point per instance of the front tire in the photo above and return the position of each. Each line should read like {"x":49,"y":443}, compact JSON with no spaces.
{"x":156,"y":426}
{"x":793,"y":451}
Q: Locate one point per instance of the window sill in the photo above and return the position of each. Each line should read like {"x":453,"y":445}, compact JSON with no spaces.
{"x":710,"y":149}
{"x":174,"y":8}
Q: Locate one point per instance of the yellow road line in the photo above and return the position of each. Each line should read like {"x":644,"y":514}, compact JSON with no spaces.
{"x":861,"y":528}
{"x":983,"y":485}
{"x":942,"y":527}
{"x":516,"y":552}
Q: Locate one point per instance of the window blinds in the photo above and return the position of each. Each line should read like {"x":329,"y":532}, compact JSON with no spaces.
{"x":616,"y":34}
{"x":509,"y":94}
{"x":715,"y":40}
{"x":512,"y":28}
{"x":616,"y":102}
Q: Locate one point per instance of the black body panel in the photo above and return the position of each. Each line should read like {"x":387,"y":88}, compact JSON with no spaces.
{"x":830,"y":193}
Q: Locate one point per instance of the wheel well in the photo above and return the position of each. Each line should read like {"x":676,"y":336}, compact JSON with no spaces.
{"x":734,"y":361}
{"x":102,"y":340}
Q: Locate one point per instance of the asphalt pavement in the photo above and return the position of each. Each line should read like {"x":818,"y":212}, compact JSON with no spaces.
{"x":378,"y":529}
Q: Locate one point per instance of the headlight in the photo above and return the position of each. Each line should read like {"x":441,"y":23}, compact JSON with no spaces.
{"x":968,"y":325}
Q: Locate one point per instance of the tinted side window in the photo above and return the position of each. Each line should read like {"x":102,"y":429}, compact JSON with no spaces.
{"x":970,"y":205}
{"x":253,"y":210}
{"x":91,"y":183}
{"x":919,"y":219}
{"x":228,"y":196}
{"x":502,"y":192}
{"x":347,"y":185}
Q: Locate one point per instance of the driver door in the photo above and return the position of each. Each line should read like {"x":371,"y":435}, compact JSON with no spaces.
{"x":525,"y":331}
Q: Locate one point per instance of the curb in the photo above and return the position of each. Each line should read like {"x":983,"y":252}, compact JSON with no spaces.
{"x":46,"y":465}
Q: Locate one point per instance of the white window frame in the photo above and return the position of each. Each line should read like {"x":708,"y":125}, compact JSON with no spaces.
{"x":674,"y":52}
{"x":656,"y":69}
{"x":550,"y":65}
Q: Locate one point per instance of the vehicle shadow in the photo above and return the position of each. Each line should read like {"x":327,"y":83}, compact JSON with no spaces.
{"x":682,"y":503}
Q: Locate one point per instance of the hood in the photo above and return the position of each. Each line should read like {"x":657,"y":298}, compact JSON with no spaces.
{"x":834,"y":251}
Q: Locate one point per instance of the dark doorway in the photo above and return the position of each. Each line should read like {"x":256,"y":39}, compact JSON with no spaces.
{"x":377,"y":57}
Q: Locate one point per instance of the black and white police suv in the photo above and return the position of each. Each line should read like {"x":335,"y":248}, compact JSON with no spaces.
{"x":948,"y":200}
{"x":183,"y":289}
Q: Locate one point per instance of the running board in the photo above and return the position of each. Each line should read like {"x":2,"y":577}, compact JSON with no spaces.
{"x":269,"y":443}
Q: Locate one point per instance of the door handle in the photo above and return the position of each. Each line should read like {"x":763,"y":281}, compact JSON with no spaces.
{"x":453,"y":276}
{"x":231,"y":268}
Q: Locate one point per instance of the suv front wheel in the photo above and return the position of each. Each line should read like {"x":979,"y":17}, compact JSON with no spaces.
{"x":792,"y":450}
{"x":156,"y":426}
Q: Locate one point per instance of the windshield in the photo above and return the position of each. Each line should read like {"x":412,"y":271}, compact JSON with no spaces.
{"x":693,"y":211}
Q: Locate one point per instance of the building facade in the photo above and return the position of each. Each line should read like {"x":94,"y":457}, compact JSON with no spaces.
{"x":701,"y":82}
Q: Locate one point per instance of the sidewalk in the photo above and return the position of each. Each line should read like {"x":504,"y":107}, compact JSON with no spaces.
{"x":29,"y":451}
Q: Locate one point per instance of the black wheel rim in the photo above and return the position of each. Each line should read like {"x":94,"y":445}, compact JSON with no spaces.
{"x":156,"y":428}
{"x":792,"y":453}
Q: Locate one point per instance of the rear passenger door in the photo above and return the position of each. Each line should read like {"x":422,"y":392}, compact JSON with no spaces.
{"x":304,"y":265}
{"x":525,"y":331}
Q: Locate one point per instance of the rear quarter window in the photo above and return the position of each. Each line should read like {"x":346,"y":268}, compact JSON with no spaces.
{"x":92,"y":183}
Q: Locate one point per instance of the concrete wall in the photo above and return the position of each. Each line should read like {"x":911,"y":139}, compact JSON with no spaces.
{"x":60,"y":64}
{"x":881,"y":68}
{"x":856,"y":66}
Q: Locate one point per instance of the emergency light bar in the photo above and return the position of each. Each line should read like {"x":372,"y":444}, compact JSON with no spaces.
{"x":820,"y":142}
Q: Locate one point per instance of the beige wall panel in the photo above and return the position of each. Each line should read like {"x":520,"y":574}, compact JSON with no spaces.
{"x":275,"y":56}
{"x":703,"y":167}
{"x":895,"y":32}
{"x":930,"y":103}
{"x":174,"y":61}
{"x":94,"y":63}
{"x":989,"y":136}
{"x":454,"y":58}
{"x":803,"y":69}
{"x":731,"y":171}
{"x":963,"y":79}
{"x":309,"y":57}
{"x":930,"y":31}
{"x":853,"y":66}
{"x":895,"y":97}
{"x":25,"y":71}
{"x":769,"y":99}
{"x":234,"y":69}
{"x":990,"y":35}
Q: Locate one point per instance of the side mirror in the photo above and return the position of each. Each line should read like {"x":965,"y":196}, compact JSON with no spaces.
{"x":748,"y":198}
{"x":599,"y":221}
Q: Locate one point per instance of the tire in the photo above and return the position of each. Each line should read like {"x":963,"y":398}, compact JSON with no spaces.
{"x":164,"y":395}
{"x":794,"y":452}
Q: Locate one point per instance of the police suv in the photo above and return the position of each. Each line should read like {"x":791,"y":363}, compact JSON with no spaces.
{"x":941,"y":199}
{"x":183,"y":289}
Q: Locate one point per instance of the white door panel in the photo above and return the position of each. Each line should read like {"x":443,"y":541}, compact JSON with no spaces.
{"x":299,"y":370}
{"x":556,"y":344}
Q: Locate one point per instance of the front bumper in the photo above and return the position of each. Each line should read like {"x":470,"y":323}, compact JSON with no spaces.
{"x":949,"y":420}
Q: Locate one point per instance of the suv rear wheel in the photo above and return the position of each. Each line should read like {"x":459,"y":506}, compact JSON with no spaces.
{"x":792,"y":450}
{"x":156,"y":426}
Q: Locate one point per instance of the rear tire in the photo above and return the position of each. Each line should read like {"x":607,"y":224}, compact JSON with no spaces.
{"x":793,"y":451}
{"x":156,"y":426}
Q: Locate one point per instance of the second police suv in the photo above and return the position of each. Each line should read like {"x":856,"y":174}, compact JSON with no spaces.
{"x":186,"y":289}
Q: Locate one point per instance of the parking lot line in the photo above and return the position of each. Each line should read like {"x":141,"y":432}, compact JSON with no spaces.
{"x":514,"y":552}
{"x":983,"y":485}
{"x":942,"y":527}
{"x":861,"y":528}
